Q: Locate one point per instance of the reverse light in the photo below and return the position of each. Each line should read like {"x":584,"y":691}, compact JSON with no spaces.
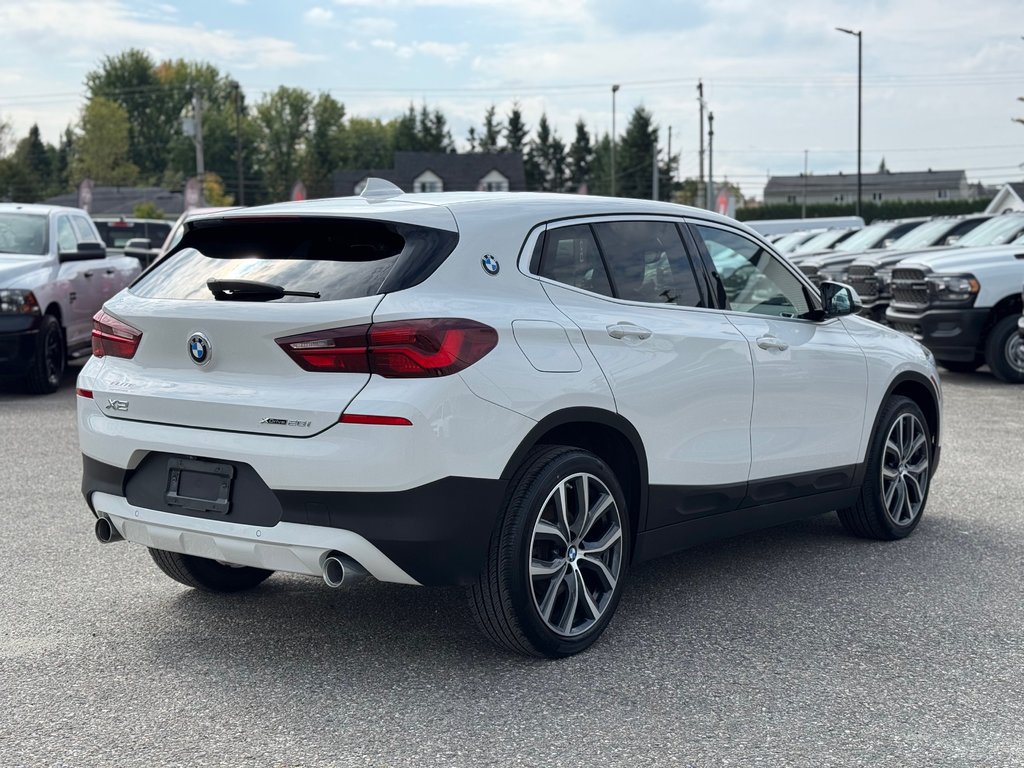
{"x":17,"y":302}
{"x":113,"y":338}
{"x":395,"y":350}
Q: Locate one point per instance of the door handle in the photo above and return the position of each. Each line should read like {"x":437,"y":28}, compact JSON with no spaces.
{"x":88,"y":274}
{"x":771,"y":342}
{"x":622,"y":330}
{"x":111,"y":271}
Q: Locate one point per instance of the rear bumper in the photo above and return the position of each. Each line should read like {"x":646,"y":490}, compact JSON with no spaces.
{"x":437,"y":533}
{"x":951,"y":334}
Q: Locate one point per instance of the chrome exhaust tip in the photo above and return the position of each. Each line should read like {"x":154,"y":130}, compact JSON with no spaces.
{"x":106,"y":532}
{"x":339,"y":569}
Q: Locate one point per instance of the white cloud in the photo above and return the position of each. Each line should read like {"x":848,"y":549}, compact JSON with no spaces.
{"x":371,"y":26}
{"x":446,"y":52}
{"x":318,"y":15}
{"x":525,"y":10}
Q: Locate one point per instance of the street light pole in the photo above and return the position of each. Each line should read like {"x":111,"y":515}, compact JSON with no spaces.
{"x":238,"y":140}
{"x":711,"y":160}
{"x":860,"y":39}
{"x":615,"y":89}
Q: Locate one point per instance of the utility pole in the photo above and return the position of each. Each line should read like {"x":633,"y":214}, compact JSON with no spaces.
{"x":654,"y":174}
{"x":700,"y":172}
{"x":803,"y":208}
{"x":615,"y":89}
{"x":670,"y":155}
{"x":711,"y":156}
{"x":859,"y":34}
{"x":197,"y":106}
{"x":238,"y":140}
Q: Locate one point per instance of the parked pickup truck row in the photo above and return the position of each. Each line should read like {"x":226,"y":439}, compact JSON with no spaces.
{"x":55,"y":274}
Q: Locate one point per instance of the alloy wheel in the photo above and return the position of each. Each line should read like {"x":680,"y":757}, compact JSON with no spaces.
{"x":1014,"y":352}
{"x":905,"y":469}
{"x":575,"y":554}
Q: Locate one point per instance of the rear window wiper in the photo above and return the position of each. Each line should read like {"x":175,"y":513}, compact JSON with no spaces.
{"x":251,"y":290}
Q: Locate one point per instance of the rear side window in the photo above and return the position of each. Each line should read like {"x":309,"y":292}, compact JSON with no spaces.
{"x":337,"y":258}
{"x":571,"y":257}
{"x":83,"y":229}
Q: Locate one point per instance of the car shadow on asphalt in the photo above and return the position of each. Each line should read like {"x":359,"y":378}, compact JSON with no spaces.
{"x":717,"y":588}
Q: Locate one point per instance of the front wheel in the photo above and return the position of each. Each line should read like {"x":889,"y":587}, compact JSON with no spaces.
{"x":47,"y":366}
{"x":207,"y":575}
{"x":1004,"y":351}
{"x":558,"y":559}
{"x":898,"y":475}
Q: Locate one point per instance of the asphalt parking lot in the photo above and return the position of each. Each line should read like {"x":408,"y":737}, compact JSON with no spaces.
{"x":793,"y":646}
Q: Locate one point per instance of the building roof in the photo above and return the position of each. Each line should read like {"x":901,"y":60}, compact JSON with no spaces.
{"x":458,"y":172}
{"x":1010,"y":197}
{"x":121,"y":201}
{"x":870,"y":182}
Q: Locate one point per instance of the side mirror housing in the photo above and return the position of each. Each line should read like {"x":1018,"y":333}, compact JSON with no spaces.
{"x":86,"y":250}
{"x":839,"y":299}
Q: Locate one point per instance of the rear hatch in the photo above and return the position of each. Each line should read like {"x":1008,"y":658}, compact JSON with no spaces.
{"x":215,"y":361}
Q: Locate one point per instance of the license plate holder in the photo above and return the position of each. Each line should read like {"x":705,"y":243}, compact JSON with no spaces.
{"x":199,"y":486}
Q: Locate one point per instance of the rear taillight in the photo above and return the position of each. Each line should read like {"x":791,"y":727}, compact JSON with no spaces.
{"x":397,"y":350}
{"x":112,"y":338}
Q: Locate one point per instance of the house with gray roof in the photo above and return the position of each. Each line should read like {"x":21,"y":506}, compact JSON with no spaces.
{"x":121,"y":201}
{"x":1009,"y":198}
{"x":876,"y":187}
{"x":442,"y":172}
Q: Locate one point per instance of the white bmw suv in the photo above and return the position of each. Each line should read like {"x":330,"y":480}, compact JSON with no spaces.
{"x":522,"y":393}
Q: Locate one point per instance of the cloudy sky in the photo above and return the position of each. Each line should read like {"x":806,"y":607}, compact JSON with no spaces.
{"x":941,"y":78}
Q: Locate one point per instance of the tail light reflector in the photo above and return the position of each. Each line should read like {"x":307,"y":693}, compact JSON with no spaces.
{"x":401,"y":349}
{"x":387,"y":421}
{"x":113,"y":338}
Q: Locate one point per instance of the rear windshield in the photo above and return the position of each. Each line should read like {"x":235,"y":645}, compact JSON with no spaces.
{"x":337,"y":258}
{"x":116,"y":234}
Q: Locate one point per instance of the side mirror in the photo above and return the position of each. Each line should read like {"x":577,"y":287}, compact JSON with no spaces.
{"x":952,"y":240}
{"x":86,"y":250}
{"x":888,"y":241}
{"x":839,"y":299}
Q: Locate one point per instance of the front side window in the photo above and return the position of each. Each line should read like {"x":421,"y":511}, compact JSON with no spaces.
{"x":648,"y":262}
{"x":66,"y":240}
{"x":754,"y":280}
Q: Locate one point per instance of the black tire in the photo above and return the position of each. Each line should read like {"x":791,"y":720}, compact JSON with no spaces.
{"x":46,"y":369}
{"x":506,"y":600}
{"x":960,"y":366}
{"x":207,"y":575}
{"x":871,"y":517}
{"x":1004,"y":351}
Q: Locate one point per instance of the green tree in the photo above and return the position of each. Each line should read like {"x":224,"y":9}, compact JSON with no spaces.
{"x":130,"y":79}
{"x":600,"y":167}
{"x":581,"y":155}
{"x":368,"y":144}
{"x":405,"y":134}
{"x":515,"y":130}
{"x":282,"y":122}
{"x":635,"y":158}
{"x":325,"y":151}
{"x":29,"y":169}
{"x":147,"y":210}
{"x":492,"y":131}
{"x":546,"y":163}
{"x":103,"y":146}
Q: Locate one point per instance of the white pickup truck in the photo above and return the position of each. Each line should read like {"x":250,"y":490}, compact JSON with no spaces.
{"x":55,"y":275}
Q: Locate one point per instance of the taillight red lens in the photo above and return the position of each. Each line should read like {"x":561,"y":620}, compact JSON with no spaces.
{"x":113,"y":338}
{"x":395,"y":350}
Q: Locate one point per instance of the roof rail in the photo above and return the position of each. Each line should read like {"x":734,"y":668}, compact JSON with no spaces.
{"x":380,"y":189}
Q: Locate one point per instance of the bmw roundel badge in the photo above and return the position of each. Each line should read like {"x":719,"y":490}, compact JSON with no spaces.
{"x":490,"y":264}
{"x":199,"y":349}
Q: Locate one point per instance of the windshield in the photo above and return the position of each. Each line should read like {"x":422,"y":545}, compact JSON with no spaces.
{"x":23,"y":233}
{"x":864,"y":239}
{"x":791,"y":241}
{"x":1001,"y":229}
{"x":924,"y":235}
{"x":822,"y":242}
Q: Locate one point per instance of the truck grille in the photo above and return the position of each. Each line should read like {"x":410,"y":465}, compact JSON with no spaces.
{"x":909,"y":287}
{"x":811,"y":272}
{"x":862,"y":279}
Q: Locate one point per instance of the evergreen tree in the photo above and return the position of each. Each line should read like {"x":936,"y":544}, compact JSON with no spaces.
{"x":515,"y":130}
{"x":600,"y":167}
{"x":546,"y":167}
{"x":492,"y":131}
{"x":634,"y":159}
{"x":471,"y":139}
{"x":405,"y":134}
{"x":581,"y":155}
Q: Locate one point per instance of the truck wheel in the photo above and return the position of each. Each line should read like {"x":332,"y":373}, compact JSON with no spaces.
{"x":1004,"y":351}
{"x":558,"y":559}
{"x":47,"y":366}
{"x":960,"y":366}
{"x":895,"y":489}
{"x":207,"y":575}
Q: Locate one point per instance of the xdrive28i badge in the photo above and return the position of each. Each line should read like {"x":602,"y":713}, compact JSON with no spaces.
{"x":490,"y":264}
{"x":199,"y":349}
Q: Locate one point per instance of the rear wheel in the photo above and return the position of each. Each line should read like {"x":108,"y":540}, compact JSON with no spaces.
{"x":207,"y":575}
{"x":47,"y":367}
{"x":960,"y":366}
{"x":895,"y":488}
{"x":557,"y":562}
{"x":1004,"y":351}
